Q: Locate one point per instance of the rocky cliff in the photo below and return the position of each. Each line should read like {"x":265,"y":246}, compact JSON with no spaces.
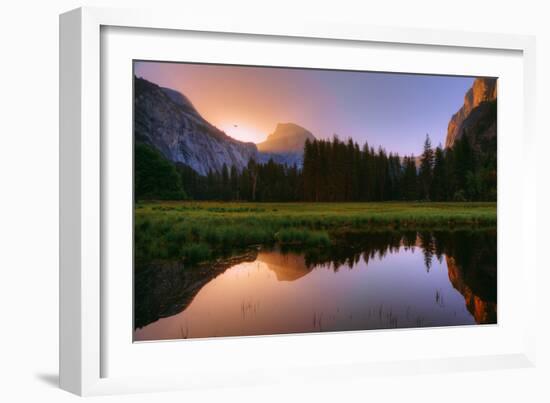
{"x":476,"y":115}
{"x":167,"y":120}
{"x":287,"y":138}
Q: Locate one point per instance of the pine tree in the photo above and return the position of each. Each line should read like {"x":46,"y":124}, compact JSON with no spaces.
{"x":464,"y":167}
{"x":308,"y":172}
{"x":364,"y":173}
{"x":234,"y":179}
{"x":439,"y":182}
{"x":225,"y":185}
{"x":426,"y":168}
{"x":253,"y":175}
{"x":410,"y":179}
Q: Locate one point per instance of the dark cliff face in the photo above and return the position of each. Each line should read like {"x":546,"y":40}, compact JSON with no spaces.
{"x":285,"y":145}
{"x":287,"y":138}
{"x":167,"y":120}
{"x":477,"y":115}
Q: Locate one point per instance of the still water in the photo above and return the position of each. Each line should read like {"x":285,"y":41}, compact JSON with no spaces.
{"x":415,"y":280}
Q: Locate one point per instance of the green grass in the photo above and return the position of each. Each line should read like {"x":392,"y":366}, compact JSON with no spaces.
{"x":301,"y":236}
{"x":199,"y":231}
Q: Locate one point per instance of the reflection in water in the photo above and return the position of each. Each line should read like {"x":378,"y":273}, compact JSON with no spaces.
{"x":376,"y":281}
{"x":287,"y":267}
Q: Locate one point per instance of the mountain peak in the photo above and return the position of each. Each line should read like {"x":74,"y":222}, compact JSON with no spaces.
{"x":166,"y":119}
{"x":179,"y":99}
{"x":287,"y":138}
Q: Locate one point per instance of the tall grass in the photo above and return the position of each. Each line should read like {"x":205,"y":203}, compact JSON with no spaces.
{"x":199,"y":231}
{"x":301,"y":236}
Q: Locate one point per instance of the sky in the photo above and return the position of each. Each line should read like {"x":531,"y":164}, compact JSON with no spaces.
{"x":391,"y":110}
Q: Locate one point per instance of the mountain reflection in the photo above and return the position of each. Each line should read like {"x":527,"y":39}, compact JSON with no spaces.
{"x":287,"y":267}
{"x":165,"y":289}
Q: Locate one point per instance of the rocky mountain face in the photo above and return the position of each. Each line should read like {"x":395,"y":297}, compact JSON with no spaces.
{"x":167,"y":120}
{"x":477,"y":115}
{"x":287,"y":138}
{"x":180,"y":99}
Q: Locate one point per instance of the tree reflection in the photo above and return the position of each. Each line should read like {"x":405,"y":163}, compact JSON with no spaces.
{"x":427,"y":245}
{"x":166,"y":288}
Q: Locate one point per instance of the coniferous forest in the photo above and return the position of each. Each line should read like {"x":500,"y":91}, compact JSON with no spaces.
{"x":333,"y":171}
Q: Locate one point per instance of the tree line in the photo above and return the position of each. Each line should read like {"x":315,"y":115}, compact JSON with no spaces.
{"x":333,"y":171}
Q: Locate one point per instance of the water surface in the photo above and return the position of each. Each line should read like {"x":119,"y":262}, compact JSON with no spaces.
{"x":376,"y":282}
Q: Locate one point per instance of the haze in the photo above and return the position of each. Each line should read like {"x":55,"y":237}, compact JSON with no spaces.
{"x":391,"y":110}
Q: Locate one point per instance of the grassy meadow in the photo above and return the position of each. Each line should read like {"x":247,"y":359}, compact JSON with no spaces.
{"x":200,"y":231}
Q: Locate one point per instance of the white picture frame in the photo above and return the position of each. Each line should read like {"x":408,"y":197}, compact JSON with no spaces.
{"x":86,"y":345}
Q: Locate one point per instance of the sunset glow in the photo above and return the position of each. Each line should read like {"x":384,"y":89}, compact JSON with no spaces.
{"x":242,"y":132}
{"x":391,"y":110}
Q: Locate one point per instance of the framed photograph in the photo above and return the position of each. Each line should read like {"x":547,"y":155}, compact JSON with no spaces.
{"x":244,"y":202}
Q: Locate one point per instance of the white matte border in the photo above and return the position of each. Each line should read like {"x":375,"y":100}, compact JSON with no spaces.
{"x":84,"y":290}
